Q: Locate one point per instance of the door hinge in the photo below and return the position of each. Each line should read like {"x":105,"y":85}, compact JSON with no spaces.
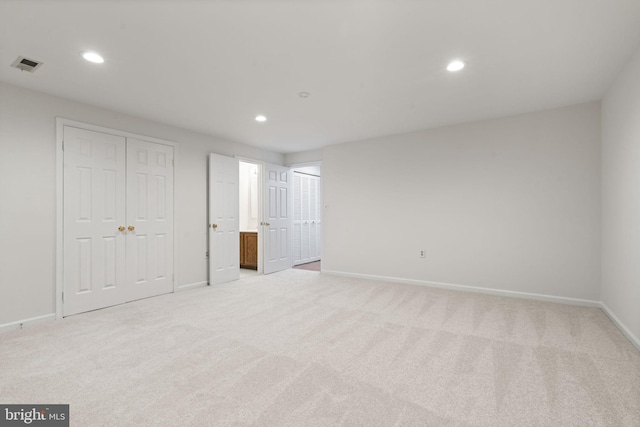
{"x":63,"y":297}
{"x":63,"y":145}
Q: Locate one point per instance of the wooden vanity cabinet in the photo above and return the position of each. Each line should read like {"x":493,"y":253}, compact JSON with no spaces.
{"x":249,"y":249}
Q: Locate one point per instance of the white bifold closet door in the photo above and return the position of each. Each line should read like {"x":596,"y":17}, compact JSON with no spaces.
{"x":118,"y":220}
{"x":307,"y":221}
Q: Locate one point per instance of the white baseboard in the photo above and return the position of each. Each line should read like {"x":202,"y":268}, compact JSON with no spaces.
{"x":466,"y":288}
{"x":623,"y":328}
{"x":181,"y":288}
{"x":19,"y":324}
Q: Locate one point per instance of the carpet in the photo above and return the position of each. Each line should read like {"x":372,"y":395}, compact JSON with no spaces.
{"x":297,"y":348}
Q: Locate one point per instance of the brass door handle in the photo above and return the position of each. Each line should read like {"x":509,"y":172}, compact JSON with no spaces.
{"x":121,"y":228}
{"x":214,"y":226}
{"x":131,"y":228}
{"x":267,"y":224}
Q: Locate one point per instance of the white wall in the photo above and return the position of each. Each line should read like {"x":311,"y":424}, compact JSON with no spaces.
{"x":28,"y":194}
{"x":510,"y":204}
{"x":303,"y":157}
{"x":621,"y":198}
{"x":248,"y":215}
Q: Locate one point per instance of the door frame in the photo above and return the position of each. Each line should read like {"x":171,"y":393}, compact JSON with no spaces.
{"x":318,"y":163}
{"x":59,"y":249}
{"x":260,"y":165}
{"x":261,"y":182}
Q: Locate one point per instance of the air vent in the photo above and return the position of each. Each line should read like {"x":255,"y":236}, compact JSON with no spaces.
{"x":26,"y":64}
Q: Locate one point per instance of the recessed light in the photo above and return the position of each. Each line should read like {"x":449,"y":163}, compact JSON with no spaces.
{"x":261,"y":118}
{"x":455,"y":65}
{"x":93,"y":57}
{"x":304,"y":94}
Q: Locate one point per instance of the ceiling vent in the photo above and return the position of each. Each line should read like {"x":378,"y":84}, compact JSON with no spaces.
{"x":26,"y":64}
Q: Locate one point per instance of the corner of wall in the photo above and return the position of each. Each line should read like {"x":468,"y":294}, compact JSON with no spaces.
{"x":623,"y":328}
{"x":303,"y":157}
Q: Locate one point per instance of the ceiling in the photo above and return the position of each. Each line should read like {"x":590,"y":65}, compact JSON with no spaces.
{"x":372,"y":67}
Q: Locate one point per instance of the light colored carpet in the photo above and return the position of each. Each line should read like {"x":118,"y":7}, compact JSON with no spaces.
{"x":299,"y":348}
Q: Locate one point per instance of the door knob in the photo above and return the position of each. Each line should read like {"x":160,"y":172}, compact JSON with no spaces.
{"x":267,"y":224}
{"x":131,"y":228}
{"x":214,"y":226}
{"x":121,"y":228}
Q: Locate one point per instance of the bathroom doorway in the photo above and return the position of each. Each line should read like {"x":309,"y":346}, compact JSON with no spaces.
{"x":250,"y":207}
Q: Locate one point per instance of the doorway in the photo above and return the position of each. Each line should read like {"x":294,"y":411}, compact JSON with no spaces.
{"x":273,"y":238}
{"x":307,"y":216}
{"x":249,"y":208}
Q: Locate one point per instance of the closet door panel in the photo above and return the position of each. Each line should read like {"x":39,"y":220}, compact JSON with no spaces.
{"x":149,"y":219}
{"x":94,"y":209}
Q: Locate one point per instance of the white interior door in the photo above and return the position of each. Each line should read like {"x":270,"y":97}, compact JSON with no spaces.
{"x":149,"y":219}
{"x":277,"y":223}
{"x":94,"y":209}
{"x":224,"y":237}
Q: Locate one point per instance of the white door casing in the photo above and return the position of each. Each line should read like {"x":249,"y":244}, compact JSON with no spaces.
{"x":224,"y":237}
{"x":111,"y":182}
{"x":277,"y":219}
{"x":149,"y":219}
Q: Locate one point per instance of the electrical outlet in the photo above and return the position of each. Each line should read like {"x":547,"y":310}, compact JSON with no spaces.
{"x":422,"y":254}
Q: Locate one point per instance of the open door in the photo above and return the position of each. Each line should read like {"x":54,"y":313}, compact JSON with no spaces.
{"x":224,"y":238}
{"x":278,"y":221}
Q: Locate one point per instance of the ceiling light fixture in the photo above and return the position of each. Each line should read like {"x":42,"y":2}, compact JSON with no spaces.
{"x":456,"y":65}
{"x":93,"y":57}
{"x":304,"y":94}
{"x":261,"y":118}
